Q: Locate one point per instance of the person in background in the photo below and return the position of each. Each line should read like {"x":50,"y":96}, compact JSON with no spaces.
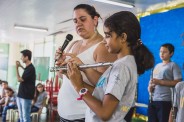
{"x":27,"y":86}
{"x":0,"y":86}
{"x":165,"y":76}
{"x":39,"y":100}
{"x":4,"y":85}
{"x":10,"y":102}
{"x":114,"y":93}
{"x":177,"y":112}
{"x":90,"y":49}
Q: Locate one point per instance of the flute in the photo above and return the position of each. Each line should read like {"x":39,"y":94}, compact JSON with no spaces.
{"x":151,"y":93}
{"x":83,"y":66}
{"x":172,"y":108}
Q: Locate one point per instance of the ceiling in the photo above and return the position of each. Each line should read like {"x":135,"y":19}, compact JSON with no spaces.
{"x":56,"y":15}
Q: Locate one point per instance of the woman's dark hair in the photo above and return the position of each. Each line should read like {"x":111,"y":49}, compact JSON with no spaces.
{"x":126,"y":22}
{"x":26,"y":53}
{"x":37,"y":92}
{"x":9,"y":89}
{"x":169,"y":46}
{"x":89,"y":9}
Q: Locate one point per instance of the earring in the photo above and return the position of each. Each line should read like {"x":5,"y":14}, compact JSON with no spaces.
{"x":95,"y":29}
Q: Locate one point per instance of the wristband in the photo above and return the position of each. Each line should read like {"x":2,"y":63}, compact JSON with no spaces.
{"x":82,"y":92}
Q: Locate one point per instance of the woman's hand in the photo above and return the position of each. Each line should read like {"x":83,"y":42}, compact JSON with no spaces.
{"x":75,"y":76}
{"x":59,"y":57}
{"x":73,"y":58}
{"x":60,"y":61}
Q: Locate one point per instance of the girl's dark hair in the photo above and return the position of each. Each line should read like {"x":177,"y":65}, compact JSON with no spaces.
{"x":9,"y":89}
{"x":126,"y":22}
{"x":89,"y":9}
{"x":169,"y":46}
{"x":37,"y":92}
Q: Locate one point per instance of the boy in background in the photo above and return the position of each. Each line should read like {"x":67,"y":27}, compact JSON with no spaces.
{"x":165,"y":76}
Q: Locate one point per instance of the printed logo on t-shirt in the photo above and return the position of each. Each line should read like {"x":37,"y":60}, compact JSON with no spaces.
{"x":156,"y":71}
{"x":117,"y":78}
{"x":125,"y":108}
{"x":101,"y":82}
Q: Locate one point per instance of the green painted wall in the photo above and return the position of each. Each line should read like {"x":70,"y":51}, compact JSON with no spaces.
{"x":42,"y":67}
{"x":4,"y":51}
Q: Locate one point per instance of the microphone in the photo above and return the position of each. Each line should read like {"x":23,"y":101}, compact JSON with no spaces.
{"x":69,"y":37}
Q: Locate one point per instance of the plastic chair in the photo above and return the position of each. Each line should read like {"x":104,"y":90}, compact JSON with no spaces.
{"x":13,"y":114}
{"x":8,"y":115}
{"x":35,"y":115}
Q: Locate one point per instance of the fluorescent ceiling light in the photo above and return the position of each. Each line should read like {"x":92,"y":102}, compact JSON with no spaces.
{"x":116,"y":3}
{"x":25,"y":27}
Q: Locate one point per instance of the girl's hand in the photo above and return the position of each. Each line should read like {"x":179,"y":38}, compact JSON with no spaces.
{"x":75,"y":75}
{"x":40,"y":111}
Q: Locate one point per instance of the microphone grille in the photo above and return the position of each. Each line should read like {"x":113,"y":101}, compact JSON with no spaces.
{"x":69,"y":37}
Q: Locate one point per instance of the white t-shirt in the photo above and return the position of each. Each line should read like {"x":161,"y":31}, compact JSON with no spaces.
{"x":120,"y":81}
